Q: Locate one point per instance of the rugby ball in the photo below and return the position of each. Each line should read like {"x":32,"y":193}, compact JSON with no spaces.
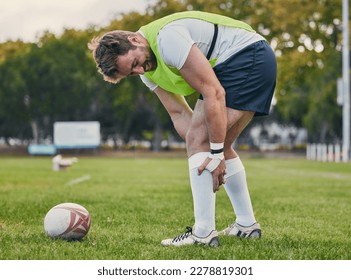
{"x":68,"y":221}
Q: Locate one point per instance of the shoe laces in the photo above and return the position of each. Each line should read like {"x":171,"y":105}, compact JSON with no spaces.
{"x":184,"y":235}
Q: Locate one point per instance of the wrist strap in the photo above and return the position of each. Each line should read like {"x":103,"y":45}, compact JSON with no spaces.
{"x":216,"y":148}
{"x":216,"y":151}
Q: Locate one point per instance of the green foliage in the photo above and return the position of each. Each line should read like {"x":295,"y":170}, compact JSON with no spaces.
{"x":48,"y":83}
{"x":308,"y":43}
{"x":136,"y":202}
{"x":13,"y":114}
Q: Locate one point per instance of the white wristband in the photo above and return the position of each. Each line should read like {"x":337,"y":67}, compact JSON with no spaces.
{"x":216,"y":146}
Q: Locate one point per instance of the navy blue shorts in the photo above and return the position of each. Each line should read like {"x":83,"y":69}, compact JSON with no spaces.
{"x":249,"y":78}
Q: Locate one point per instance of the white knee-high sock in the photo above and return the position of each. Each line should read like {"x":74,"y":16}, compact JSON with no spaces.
{"x":237,"y":190}
{"x":203,"y":197}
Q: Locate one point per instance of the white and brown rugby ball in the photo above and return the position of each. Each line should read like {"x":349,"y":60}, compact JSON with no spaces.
{"x":68,"y":221}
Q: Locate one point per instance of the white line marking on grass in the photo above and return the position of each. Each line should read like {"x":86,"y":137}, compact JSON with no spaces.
{"x":78,"y":180}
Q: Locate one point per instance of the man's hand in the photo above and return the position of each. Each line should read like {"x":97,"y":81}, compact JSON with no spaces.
{"x":217,"y":173}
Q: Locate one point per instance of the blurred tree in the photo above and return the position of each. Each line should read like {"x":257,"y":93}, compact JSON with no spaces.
{"x":306,"y":38}
{"x":13,"y":99}
{"x":47,"y":83}
{"x":12,"y":48}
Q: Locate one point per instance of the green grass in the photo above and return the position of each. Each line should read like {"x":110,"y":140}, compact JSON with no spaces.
{"x":303,"y":207}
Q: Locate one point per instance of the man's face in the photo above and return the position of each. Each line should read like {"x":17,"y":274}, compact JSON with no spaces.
{"x":137,"y":61}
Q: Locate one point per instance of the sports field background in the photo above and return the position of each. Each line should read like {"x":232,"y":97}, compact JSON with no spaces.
{"x":304,"y":209}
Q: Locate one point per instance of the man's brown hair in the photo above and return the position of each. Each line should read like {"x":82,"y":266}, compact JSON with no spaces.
{"x":106,"y":50}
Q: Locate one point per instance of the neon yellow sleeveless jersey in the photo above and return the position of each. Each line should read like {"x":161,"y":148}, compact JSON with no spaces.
{"x":168,"y":77}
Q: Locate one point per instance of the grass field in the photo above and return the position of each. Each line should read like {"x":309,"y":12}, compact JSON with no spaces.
{"x":303,"y":207}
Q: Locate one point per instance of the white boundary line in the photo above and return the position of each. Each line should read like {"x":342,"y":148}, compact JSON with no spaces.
{"x":78,"y":180}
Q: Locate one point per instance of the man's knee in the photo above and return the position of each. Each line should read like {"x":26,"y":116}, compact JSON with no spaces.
{"x":196,"y":140}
